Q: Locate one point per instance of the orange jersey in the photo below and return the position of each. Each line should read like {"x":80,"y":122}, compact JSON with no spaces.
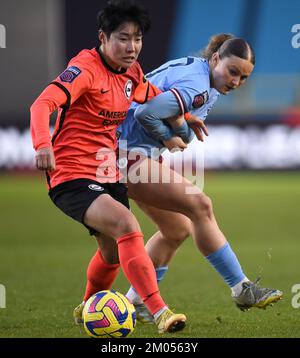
{"x":93,"y":100}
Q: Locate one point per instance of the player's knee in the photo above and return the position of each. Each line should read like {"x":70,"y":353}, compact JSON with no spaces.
{"x":125,"y":225}
{"x":202,"y":207}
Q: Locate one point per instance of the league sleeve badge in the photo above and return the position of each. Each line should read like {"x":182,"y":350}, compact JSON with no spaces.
{"x":70,"y":74}
{"x":200,"y":99}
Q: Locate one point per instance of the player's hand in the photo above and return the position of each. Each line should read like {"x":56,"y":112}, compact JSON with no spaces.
{"x":198,"y":127}
{"x":175,"y":143}
{"x":44,"y":159}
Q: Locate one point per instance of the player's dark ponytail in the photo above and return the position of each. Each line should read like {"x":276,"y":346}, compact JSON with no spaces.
{"x":228,"y":45}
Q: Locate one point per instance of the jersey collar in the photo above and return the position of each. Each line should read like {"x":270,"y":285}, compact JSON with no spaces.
{"x":107,"y":65}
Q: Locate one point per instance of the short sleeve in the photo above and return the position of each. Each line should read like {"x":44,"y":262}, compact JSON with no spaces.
{"x":202,"y":112}
{"x":193,"y":93}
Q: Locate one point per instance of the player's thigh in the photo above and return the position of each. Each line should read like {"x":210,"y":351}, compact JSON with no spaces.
{"x":173,"y":225}
{"x":109,"y":217}
{"x":176,"y":194}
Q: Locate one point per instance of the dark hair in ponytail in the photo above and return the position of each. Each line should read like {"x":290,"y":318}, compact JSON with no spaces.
{"x":228,"y":45}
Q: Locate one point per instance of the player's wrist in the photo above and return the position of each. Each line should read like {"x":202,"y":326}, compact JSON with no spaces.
{"x":183,"y":132}
{"x":44,"y":147}
{"x":187,"y":116}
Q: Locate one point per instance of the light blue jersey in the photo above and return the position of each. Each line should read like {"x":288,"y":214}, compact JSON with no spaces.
{"x":188,"y":81}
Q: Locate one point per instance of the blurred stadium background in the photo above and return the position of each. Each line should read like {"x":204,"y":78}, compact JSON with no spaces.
{"x":256,"y":128}
{"x":253,"y":130}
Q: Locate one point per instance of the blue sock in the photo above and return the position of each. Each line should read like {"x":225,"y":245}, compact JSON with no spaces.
{"x":227,"y":264}
{"x":160,"y":273}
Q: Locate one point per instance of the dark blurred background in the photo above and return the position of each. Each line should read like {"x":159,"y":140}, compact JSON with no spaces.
{"x":255,"y":128}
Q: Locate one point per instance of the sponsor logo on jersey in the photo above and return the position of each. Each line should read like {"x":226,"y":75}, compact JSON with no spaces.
{"x":109,"y":122}
{"x":112,"y":118}
{"x":96,"y":187}
{"x":70,"y":74}
{"x":112,"y":115}
{"x":128,"y":89}
{"x":200,"y":99}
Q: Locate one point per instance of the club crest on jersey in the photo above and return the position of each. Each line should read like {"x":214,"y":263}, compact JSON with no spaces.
{"x":128,"y":89}
{"x":70,"y":74}
{"x":200,"y":99}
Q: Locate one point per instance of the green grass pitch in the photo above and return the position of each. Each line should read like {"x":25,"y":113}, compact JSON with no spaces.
{"x":44,"y":255}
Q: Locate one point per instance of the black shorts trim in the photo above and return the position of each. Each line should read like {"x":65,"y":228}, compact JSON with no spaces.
{"x":76,"y":196}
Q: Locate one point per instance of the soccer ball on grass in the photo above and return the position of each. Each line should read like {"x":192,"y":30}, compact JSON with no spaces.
{"x":109,"y":314}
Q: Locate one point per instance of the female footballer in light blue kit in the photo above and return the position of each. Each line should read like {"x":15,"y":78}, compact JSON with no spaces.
{"x":189,"y":85}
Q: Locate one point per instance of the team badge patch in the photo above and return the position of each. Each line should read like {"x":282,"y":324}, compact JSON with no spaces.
{"x":128,"y":89}
{"x":70,"y":74}
{"x":200,"y":99}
